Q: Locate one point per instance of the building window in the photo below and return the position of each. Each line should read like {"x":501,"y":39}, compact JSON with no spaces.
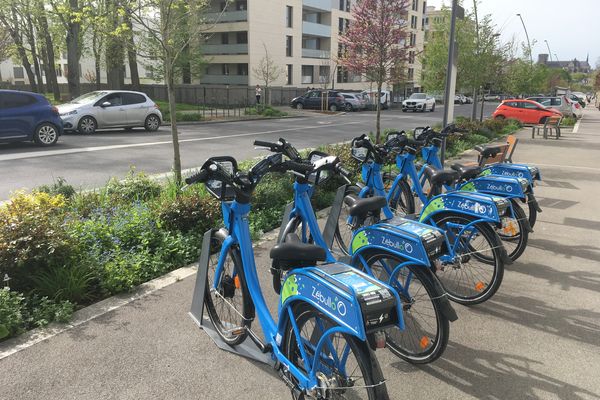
{"x":411,"y":57}
{"x":241,"y":37}
{"x":342,"y":75}
{"x":424,"y":7}
{"x":341,"y":25}
{"x":242,"y":69}
{"x":415,"y":5}
{"x":307,"y":73}
{"x":290,"y":74}
{"x":288,"y":46}
{"x":58,"y":70}
{"x":18,"y":73}
{"x":289,"y":13}
{"x":413,"y":39}
{"x":342,"y":5}
{"x":348,"y":6}
{"x":411,"y":74}
{"x":413,"y":22}
{"x":224,"y":69}
{"x":241,"y":5}
{"x":225,"y":38}
{"x":324,"y":71}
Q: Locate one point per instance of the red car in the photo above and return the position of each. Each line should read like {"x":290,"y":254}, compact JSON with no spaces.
{"x":526,"y":111}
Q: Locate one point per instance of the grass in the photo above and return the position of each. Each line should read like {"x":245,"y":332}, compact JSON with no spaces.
{"x":164,"y":105}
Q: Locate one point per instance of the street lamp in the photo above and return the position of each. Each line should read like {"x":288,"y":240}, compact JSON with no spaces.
{"x":526,"y":35}
{"x":549,"y":52}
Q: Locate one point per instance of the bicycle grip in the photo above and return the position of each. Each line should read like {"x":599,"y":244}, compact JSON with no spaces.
{"x":201,"y":176}
{"x":299,"y":167}
{"x":269,"y":145}
{"x":343,"y":171}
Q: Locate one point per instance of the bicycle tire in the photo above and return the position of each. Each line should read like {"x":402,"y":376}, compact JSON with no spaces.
{"x":509,"y":236}
{"x":531,"y":213}
{"x":417,"y":343}
{"x":366,"y":362}
{"x":402,"y":201}
{"x":224,"y":324}
{"x":343,"y":232}
{"x":481,"y":290}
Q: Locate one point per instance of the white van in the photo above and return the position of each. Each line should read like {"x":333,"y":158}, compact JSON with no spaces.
{"x":385,"y":97}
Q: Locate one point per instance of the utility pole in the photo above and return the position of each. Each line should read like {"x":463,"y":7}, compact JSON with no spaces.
{"x":457,"y":11}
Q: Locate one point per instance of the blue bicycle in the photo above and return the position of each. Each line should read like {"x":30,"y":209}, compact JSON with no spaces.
{"x":472,"y":269}
{"x":328,"y":314}
{"x":399,"y":255}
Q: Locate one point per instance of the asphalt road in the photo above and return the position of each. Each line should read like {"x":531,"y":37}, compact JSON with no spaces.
{"x":90,"y":161}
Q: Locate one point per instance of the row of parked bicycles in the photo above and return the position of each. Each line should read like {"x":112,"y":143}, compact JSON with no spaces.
{"x":384,"y":270}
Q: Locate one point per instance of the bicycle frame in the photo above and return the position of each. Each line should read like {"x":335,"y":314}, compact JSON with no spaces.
{"x":332,"y":290}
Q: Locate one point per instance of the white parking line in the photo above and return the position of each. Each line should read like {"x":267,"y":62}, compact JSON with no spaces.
{"x":20,"y":156}
{"x":576,"y":127}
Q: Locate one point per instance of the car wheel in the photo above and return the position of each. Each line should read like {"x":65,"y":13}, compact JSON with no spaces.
{"x":152,"y":123}
{"x":433,"y":107}
{"x":299,"y":106}
{"x":499,"y":117}
{"x":404,"y":110}
{"x":87,"y":125}
{"x":45,"y":135}
{"x":333,"y":108}
{"x":348,"y":107}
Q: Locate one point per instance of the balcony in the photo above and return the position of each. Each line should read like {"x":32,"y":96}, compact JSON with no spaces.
{"x":225,"y":79}
{"x":315,"y":53}
{"x":318,"y":5}
{"x":213,"y":49}
{"x":227,"y":16}
{"x":314,"y":29}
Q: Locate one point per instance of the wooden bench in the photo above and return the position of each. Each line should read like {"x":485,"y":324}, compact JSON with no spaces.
{"x":550,"y":127}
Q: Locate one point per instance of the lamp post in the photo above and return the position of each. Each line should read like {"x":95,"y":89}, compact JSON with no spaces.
{"x":527,"y":36}
{"x":549,"y":52}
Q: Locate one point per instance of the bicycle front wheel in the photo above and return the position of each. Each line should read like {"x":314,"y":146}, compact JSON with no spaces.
{"x":513,"y":232}
{"x":228,"y":304}
{"x":477,"y":268}
{"x":345,"y":225}
{"x":347,"y":367}
{"x":427,"y":329}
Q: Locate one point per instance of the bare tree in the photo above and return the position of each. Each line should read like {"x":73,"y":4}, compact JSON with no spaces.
{"x":267,"y":72}
{"x":169,"y":26}
{"x":5,"y":46}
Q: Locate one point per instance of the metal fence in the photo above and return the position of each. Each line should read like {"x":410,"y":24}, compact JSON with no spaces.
{"x":220,"y":96}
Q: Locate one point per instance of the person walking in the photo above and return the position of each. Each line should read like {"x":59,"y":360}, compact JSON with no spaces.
{"x":258,"y":92}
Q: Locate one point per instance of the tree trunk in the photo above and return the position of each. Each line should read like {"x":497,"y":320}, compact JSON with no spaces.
{"x":474,"y":109}
{"x":49,"y":59}
{"x":73,"y":53}
{"x":378,"y":117}
{"x":172,"y":111}
{"x":132,"y":56}
{"x":96,"y":50}
{"x":18,"y":42}
{"x":34,"y":55}
{"x":47,"y":86}
{"x":114,"y":50}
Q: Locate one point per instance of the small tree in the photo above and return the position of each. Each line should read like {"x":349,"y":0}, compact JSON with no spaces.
{"x":267,"y":72}
{"x":169,"y":26}
{"x":375,"y":42}
{"x":5,"y":46}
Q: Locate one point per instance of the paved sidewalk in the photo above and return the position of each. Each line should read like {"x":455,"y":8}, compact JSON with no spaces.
{"x":538,"y":338}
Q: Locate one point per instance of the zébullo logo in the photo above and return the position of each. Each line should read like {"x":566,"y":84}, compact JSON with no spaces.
{"x":512,"y":173}
{"x":334,"y":305}
{"x":500,"y":188}
{"x":475,"y":207}
{"x":401,"y":246}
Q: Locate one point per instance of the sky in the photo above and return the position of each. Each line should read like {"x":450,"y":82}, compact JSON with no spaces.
{"x":572,"y":28}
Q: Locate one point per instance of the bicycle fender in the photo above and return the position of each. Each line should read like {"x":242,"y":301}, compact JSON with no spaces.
{"x":505,"y":186}
{"x":409,"y":240}
{"x":529,"y":172}
{"x":349,"y":297}
{"x":531,"y":199}
{"x":479,"y":205}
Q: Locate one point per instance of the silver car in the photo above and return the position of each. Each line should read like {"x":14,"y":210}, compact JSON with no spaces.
{"x":560,"y":103}
{"x":110,"y":109}
{"x":353,"y":101}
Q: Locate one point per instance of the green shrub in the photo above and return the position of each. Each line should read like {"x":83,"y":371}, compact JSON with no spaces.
{"x":135,"y":187}
{"x":41,"y":311}
{"x":568,"y":121}
{"x":12,"y":321}
{"x":189,"y":212}
{"x":33,"y":236}
{"x":71,"y":283}
{"x":189,"y":116}
{"x":59,"y":186}
{"x":265,"y":111}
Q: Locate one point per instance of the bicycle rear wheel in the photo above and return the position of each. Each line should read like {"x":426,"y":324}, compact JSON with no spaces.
{"x":427,"y":329}
{"x":477,"y":270}
{"x":347,"y":367}
{"x":402,"y":201}
{"x":228,"y":305}
{"x":513,"y":232}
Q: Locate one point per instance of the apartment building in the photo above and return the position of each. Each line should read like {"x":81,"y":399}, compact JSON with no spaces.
{"x":415,"y":38}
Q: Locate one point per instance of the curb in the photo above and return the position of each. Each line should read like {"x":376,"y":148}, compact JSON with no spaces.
{"x":192,"y":123}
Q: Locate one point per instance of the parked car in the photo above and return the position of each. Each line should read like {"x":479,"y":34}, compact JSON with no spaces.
{"x":419,"y":102}
{"x":318,"y":99}
{"x":26,"y":116}
{"x":353,"y":101}
{"x":573,"y":97}
{"x":526,"y":111}
{"x":468,"y":99}
{"x":561,"y":103}
{"x":110,"y":109}
{"x":384,"y":97}
{"x":491,"y":97}
{"x":369,"y":105}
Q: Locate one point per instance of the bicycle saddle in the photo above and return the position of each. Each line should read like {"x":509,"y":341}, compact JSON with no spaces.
{"x":440,"y":176}
{"x":294,"y":253}
{"x":362,"y":206}
{"x":466,"y":171}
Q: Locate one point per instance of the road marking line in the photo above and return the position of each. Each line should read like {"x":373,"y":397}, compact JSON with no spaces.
{"x":566,"y":166}
{"x":20,"y":156}
{"x":576,"y":127}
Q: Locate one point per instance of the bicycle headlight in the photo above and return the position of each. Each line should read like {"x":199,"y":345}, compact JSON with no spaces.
{"x":501,"y":205}
{"x":434,"y":243}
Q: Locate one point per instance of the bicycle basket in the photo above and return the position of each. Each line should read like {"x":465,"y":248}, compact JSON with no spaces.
{"x":360,"y":154}
{"x":318,"y":177}
{"x":217,"y":186}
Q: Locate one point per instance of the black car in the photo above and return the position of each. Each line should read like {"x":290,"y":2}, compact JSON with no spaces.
{"x":318,"y":100}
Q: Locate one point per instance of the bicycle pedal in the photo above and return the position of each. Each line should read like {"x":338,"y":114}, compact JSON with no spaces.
{"x":239,"y":331}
